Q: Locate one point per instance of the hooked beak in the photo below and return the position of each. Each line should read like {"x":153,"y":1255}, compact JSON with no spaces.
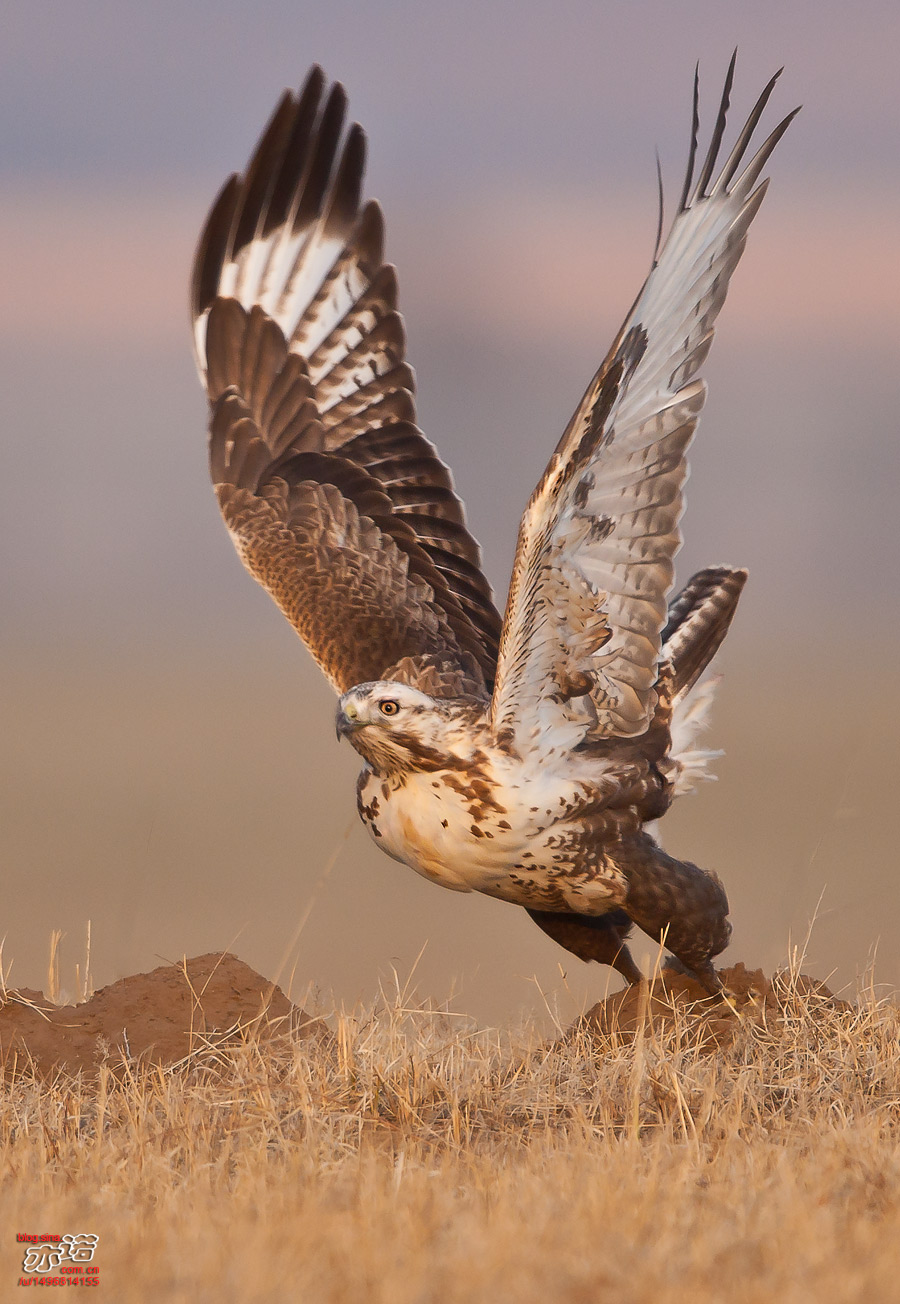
{"x":346,"y":721}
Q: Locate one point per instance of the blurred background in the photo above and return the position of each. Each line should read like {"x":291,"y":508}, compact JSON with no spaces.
{"x":170,"y":771}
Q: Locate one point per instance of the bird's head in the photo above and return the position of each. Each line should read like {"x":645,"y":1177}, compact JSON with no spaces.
{"x":396,"y":727}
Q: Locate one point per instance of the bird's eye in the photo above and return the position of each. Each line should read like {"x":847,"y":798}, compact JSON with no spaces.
{"x":389,"y":707}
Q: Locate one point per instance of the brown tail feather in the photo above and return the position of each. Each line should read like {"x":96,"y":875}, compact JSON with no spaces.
{"x":699,"y":618}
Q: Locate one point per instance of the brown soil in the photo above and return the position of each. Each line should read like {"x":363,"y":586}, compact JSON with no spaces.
{"x":674,"y":998}
{"x":159,"y":1018}
{"x":214,"y":1000}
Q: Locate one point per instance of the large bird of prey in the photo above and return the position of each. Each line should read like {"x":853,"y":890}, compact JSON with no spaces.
{"x":524,"y":757}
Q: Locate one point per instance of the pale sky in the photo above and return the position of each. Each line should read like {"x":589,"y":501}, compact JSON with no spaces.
{"x":512,"y":147}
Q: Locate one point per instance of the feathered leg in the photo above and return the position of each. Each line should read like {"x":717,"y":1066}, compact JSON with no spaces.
{"x":592,"y":937}
{"x":676,"y":903}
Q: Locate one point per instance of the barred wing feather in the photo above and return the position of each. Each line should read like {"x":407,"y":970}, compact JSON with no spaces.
{"x":580,"y":648}
{"x":334,"y":499}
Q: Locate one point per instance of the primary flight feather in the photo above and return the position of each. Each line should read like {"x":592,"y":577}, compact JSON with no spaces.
{"x":521,"y":759}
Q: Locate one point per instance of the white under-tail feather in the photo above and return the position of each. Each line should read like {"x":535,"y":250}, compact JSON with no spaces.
{"x":688,"y":765}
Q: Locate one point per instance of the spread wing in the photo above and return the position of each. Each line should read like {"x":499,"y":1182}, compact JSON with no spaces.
{"x":334,"y":500}
{"x":581,"y":637}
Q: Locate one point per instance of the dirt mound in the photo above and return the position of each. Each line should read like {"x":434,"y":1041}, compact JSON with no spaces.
{"x":216,"y":1000}
{"x":158,"y":1017}
{"x":677,"y":999}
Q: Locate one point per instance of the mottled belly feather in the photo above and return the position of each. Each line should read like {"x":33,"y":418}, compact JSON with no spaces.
{"x":522,"y":838}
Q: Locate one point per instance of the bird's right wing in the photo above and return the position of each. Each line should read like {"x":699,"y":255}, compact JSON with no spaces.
{"x":334,"y":499}
{"x":581,"y":643}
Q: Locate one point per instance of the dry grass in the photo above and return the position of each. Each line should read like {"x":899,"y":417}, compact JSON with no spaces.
{"x":409,"y":1157}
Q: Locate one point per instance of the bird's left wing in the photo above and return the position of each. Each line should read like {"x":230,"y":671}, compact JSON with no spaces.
{"x":335,"y":500}
{"x":580,"y":648}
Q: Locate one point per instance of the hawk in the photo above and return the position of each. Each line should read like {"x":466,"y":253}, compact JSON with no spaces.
{"x":525,"y":757}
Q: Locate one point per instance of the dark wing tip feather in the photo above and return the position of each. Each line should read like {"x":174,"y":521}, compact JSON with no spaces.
{"x":695,"y":132}
{"x":661,"y":214}
{"x":740,"y":148}
{"x":259,"y":199}
{"x":321,"y":165}
{"x":296,"y":154}
{"x":212,"y":246}
{"x":346,"y":189}
{"x":692,"y":192}
{"x":761,"y":157}
{"x":313,"y":83}
{"x":718,"y":132}
{"x":262,"y":170}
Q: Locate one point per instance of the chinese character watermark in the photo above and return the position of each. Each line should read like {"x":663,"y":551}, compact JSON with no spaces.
{"x":45,"y":1254}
